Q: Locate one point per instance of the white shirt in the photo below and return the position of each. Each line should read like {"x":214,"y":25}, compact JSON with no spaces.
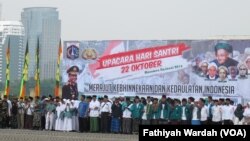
{"x":150,"y":103}
{"x":204,"y":113}
{"x":195,"y":110}
{"x":106,"y":107}
{"x":126,"y":113}
{"x":212,"y":78}
{"x":216,"y":112}
{"x":76,"y":103}
{"x":100,"y":109}
{"x":58,"y":110}
{"x":30,"y":109}
{"x":183,"y":117}
{"x":163,"y":106}
{"x":68,"y":108}
{"x":94,"y":112}
{"x":144,"y":116}
{"x":246,"y":112}
{"x":227,"y":112}
{"x":9,"y":107}
{"x":62,"y":107}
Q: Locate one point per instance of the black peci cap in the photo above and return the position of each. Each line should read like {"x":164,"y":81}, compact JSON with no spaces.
{"x":83,"y":96}
{"x":137,"y":97}
{"x":73,"y":70}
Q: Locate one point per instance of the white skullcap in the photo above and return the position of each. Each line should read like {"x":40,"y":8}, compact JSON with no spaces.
{"x":212,"y":64}
{"x":204,"y":61}
{"x":248,"y":57}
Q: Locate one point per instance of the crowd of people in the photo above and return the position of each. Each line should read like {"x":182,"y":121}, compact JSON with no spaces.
{"x":119,"y":115}
{"x":224,"y":67}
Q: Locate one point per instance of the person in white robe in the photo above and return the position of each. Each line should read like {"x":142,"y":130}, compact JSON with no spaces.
{"x":62,"y":109}
{"x":68,"y":117}
{"x":59,"y":116}
{"x":75,"y":122}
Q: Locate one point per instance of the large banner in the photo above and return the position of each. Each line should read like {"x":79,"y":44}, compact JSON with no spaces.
{"x":155,"y":67}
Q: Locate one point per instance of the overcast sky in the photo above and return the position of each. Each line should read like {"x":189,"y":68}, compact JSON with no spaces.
{"x":142,"y":19}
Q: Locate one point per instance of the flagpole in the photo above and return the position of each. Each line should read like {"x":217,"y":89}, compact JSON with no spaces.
{"x":57,"y":86}
{"x":22,"y":89}
{"x":25,"y":72}
{"x":7,"y":79}
{"x":37,"y":74}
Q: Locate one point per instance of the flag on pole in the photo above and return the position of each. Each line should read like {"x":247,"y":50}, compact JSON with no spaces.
{"x":25,"y":72}
{"x":57,"y":87}
{"x":7,"y":81}
{"x":37,"y":74}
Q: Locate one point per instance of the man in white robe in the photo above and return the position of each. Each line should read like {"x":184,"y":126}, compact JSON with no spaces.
{"x":68,"y":117}
{"x":94,"y":107}
{"x":59,"y":117}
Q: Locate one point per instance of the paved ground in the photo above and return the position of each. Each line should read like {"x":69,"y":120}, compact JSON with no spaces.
{"x":31,"y":135}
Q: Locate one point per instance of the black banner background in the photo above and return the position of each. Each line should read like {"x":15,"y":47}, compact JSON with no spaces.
{"x":234,"y":129}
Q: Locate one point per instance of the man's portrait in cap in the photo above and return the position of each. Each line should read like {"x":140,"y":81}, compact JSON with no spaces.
{"x":204,"y":69}
{"x":222,"y":53}
{"x":69,"y":90}
{"x":212,"y":71}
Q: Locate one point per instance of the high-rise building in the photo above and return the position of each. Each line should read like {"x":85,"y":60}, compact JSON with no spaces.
{"x":0,"y":11}
{"x":42,"y":23}
{"x":14,"y":31}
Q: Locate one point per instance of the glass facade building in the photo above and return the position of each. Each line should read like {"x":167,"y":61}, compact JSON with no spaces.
{"x":14,"y":31}
{"x":42,"y":23}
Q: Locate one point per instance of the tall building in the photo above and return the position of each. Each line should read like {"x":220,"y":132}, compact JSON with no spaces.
{"x":42,"y":23}
{"x":0,"y":11}
{"x":14,"y":31}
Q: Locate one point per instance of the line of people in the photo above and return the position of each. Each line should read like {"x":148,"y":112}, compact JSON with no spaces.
{"x":119,"y":116}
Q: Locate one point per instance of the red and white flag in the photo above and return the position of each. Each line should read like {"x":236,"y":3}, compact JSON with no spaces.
{"x":114,"y":47}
